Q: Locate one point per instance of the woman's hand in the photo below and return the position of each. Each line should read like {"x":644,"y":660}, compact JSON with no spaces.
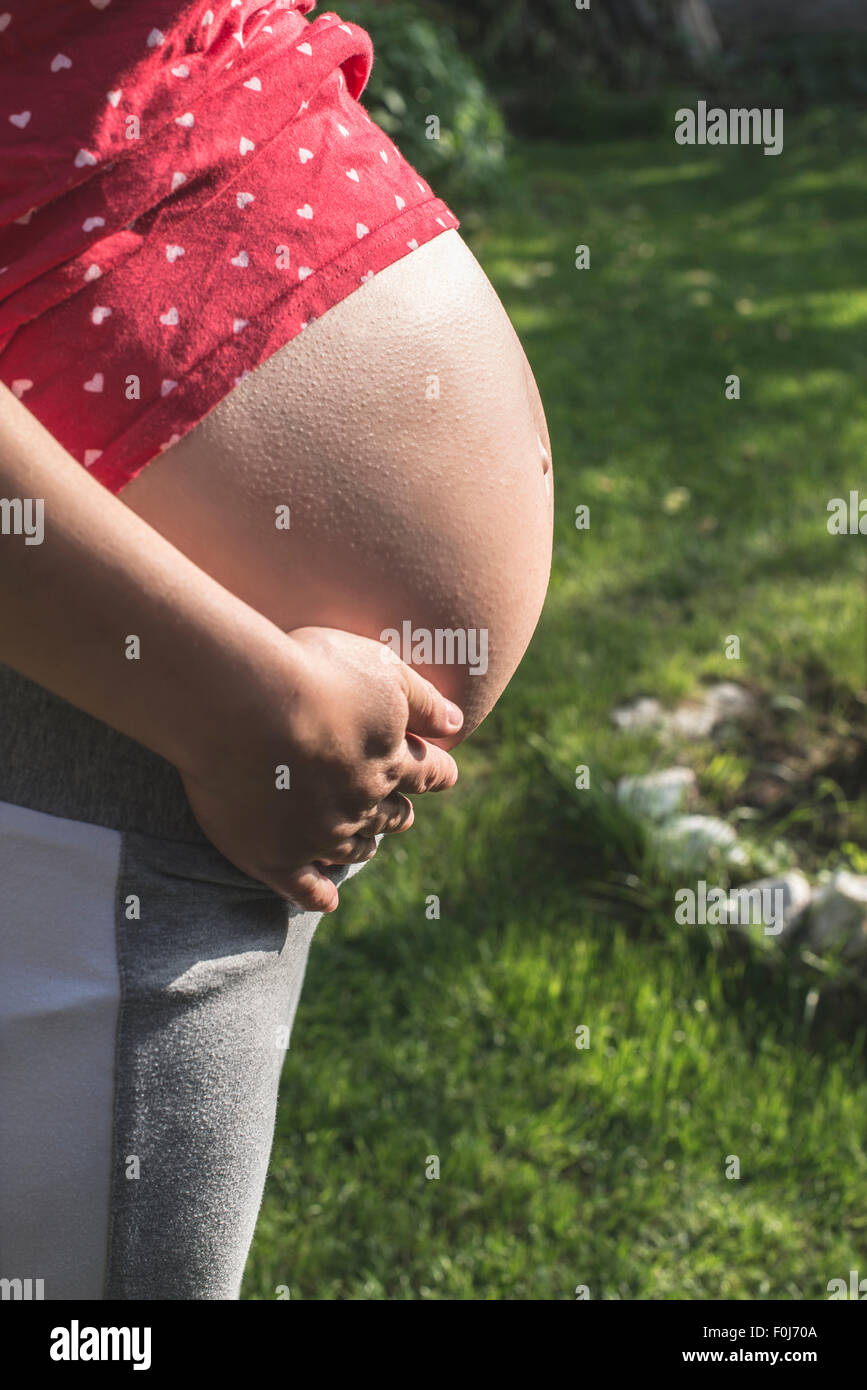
{"x":337,"y":737}
{"x":216,"y":689}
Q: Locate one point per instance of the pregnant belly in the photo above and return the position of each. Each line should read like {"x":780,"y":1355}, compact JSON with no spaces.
{"x":387,"y":472}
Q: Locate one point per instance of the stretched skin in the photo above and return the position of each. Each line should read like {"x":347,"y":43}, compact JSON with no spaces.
{"x":404,"y":431}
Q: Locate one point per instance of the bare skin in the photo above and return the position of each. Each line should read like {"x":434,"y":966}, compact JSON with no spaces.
{"x":405,"y":504}
{"x":262,"y":644}
{"x":219,"y":690}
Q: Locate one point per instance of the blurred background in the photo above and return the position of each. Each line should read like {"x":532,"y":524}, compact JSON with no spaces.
{"x":446,"y":1131}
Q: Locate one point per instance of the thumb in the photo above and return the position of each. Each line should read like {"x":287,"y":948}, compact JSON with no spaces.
{"x":430,"y":714}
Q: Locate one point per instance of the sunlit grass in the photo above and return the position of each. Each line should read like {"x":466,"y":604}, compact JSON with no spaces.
{"x":455,"y":1036}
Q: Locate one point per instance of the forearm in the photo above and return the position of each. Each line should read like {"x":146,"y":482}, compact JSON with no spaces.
{"x":102,"y":576}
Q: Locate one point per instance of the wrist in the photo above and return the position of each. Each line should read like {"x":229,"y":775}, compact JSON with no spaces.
{"x":245,"y":686}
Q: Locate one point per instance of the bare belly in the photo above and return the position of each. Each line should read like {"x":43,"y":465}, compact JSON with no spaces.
{"x":387,"y":472}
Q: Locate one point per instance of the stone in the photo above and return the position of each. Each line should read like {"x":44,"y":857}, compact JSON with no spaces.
{"x":795,"y":892}
{"x":692,"y":719}
{"x":644,"y":713}
{"x":698,"y":718}
{"x":687,"y":844}
{"x":730,"y":701}
{"x":658,"y":795}
{"x":838,"y":916}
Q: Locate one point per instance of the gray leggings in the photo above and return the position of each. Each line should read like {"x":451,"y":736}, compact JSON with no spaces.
{"x":147,"y":993}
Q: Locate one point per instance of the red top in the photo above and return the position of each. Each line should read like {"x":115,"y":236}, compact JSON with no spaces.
{"x":184,"y":184}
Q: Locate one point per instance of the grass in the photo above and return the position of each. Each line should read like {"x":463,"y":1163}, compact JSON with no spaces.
{"x":455,"y":1036}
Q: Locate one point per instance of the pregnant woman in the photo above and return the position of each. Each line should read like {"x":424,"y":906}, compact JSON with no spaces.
{"x":276,"y":532}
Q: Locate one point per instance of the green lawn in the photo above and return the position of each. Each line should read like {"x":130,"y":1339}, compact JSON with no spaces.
{"x":606,"y":1166}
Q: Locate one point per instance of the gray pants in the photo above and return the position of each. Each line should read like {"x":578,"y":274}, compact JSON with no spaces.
{"x":147,"y":993}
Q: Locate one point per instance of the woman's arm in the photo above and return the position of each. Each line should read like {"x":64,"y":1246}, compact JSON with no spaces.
{"x":101,"y":575}
{"x":216,"y":688}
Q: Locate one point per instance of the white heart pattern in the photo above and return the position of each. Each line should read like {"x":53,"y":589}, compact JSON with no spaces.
{"x":25,"y":218}
{"x":177,"y":179}
{"x":401,"y":202}
{"x":245,"y":145}
{"x":254,"y":84}
{"x":305,"y":48}
{"x":84,"y":157}
{"x":90,"y":224}
{"x":304,"y":271}
{"x":242,"y":199}
{"x":361,"y":230}
{"x":170,"y":317}
{"x":155,"y":38}
{"x":90,"y":457}
{"x":238,"y":325}
{"x":60,"y":61}
{"x":114,"y":95}
{"x":96,"y":383}
{"x":100,"y":313}
{"x":182,"y":71}
{"x":368,"y":275}
{"x":172,"y":253}
{"x":413,"y":245}
{"x":352,"y":174}
{"x":5,"y":21}
{"x":93,"y":272}
{"x":242,"y":260}
{"x":208,"y":17}
{"x":21,"y":119}
{"x":20,"y":386}
{"x":304,"y":155}
{"x":306,"y":211}
{"x":187,"y":120}
{"x":167,"y":386}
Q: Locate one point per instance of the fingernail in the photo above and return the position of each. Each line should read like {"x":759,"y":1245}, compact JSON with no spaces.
{"x":454,"y":716}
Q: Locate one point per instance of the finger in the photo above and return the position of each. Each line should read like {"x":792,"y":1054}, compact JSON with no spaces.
{"x":393,"y":814}
{"x":355,"y":850}
{"x":310,"y":889}
{"x":430,"y":713}
{"x":424,"y":768}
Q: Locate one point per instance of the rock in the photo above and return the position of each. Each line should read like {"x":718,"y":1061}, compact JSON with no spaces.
{"x":644,"y":713}
{"x":779,"y":908}
{"x":838,"y":915}
{"x":692,"y":720}
{"x":699,"y":718}
{"x":730,"y":701}
{"x":687,"y":844}
{"x":657,"y":795}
